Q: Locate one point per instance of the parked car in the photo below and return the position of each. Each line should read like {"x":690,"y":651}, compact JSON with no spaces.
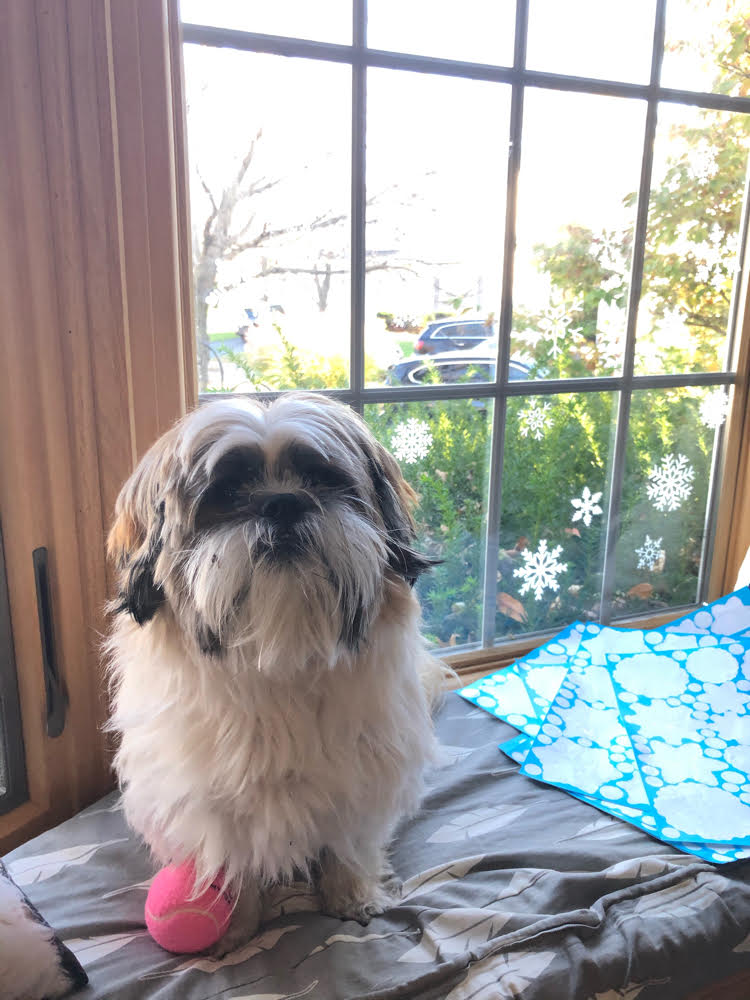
{"x":452,"y":335}
{"x":464,"y":366}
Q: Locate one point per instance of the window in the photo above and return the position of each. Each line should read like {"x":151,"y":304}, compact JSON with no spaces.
{"x":580,"y":194}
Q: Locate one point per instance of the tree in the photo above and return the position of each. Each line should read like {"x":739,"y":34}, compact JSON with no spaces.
{"x":694,"y":215}
{"x":236,"y":224}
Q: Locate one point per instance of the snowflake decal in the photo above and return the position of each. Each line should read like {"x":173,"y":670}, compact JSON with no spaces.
{"x":586,"y":506}
{"x":534,"y":420}
{"x":540,"y":569}
{"x":650,"y":553}
{"x":671,"y":482}
{"x":555,"y":324}
{"x":714,"y":409}
{"x":411,"y":441}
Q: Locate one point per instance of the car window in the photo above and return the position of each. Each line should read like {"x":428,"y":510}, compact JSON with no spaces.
{"x":445,"y":332}
{"x":476,"y":330}
{"x":451,"y":372}
{"x":470,"y":371}
{"x":419,"y":374}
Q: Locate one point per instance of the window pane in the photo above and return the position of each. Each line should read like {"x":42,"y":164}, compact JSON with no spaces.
{"x":553,"y":519}
{"x":581,"y":158}
{"x":269,"y":143}
{"x":609,"y":41}
{"x":475,"y":31}
{"x":435,"y":216}
{"x":700,"y":161}
{"x":443,"y":450}
{"x":324,"y":22}
{"x":665,"y":491}
{"x":706,"y":46}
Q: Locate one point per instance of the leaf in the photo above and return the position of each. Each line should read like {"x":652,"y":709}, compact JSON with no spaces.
{"x":573,"y":531}
{"x":685,"y":899}
{"x":91,"y":949}
{"x":434,"y":878}
{"x":40,"y":867}
{"x":461,"y":929}
{"x":128,"y":888}
{"x":453,"y":755}
{"x":277,"y":996}
{"x":642,"y":590}
{"x":602,"y":829}
{"x":351,"y":939}
{"x":637,"y":868}
{"x":260,"y":943}
{"x":456,"y":931}
{"x":511,"y":607}
{"x":473,"y":824}
{"x":504,"y":975}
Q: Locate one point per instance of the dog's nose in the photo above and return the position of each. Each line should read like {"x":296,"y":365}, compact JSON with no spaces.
{"x":284,"y":508}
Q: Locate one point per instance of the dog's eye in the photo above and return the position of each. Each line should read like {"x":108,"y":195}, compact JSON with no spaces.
{"x":223,"y":497}
{"x":314,"y":470}
{"x":226,"y":493}
{"x":326,"y":476}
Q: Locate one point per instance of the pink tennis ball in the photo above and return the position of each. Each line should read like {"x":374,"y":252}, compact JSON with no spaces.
{"x":181,"y":922}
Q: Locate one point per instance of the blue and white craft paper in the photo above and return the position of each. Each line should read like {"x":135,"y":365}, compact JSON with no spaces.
{"x":688,"y":716}
{"x":563,"y":695}
{"x":517,"y":749}
{"x":522,"y":693}
{"x":584,"y":747}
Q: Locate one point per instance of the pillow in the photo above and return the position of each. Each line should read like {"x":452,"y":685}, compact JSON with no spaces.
{"x":34,"y":963}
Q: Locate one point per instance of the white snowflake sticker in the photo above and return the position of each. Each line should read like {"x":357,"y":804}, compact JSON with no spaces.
{"x":586,"y":506}
{"x":650,"y":554}
{"x":540,"y":569}
{"x":714,"y":409}
{"x":671,"y":482}
{"x":411,"y":441}
{"x":534,"y":420}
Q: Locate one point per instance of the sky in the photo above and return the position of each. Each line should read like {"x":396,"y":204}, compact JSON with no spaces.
{"x":436,"y":147}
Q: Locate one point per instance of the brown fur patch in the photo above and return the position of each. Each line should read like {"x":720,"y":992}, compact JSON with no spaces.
{"x":124,"y":538}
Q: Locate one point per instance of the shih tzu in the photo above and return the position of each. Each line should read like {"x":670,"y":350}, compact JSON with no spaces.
{"x":271,"y":690}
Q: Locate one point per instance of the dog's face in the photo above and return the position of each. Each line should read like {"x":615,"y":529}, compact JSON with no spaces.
{"x":271,"y":527}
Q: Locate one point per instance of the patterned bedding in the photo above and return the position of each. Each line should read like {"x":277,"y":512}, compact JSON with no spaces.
{"x":511,"y":889}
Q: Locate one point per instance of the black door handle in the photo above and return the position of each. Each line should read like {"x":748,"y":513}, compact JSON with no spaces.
{"x":56,"y":697}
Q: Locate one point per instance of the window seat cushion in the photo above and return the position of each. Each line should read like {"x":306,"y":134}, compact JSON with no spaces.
{"x":511,"y":889}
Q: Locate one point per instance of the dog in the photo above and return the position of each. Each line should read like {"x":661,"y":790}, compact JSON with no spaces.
{"x":271,"y":691}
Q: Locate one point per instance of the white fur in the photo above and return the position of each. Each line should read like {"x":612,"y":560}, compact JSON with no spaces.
{"x":242,"y":770}
{"x":29,"y":962}
{"x":289,"y":747}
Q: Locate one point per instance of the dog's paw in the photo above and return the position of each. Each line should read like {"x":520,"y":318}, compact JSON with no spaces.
{"x":243,"y":926}
{"x":360,"y":899}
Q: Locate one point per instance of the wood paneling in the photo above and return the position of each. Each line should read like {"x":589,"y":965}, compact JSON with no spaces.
{"x":93,"y":316}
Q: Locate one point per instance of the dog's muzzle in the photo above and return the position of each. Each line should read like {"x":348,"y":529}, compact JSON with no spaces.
{"x":284,"y":513}
{"x":284,"y":510}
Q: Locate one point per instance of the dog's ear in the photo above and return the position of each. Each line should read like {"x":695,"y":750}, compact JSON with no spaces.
{"x":396,"y":500}
{"x":134,"y":545}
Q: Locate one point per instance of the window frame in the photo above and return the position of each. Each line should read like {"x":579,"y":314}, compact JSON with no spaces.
{"x":94,"y":241}
{"x":92,"y":91}
{"x":358,"y":395}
